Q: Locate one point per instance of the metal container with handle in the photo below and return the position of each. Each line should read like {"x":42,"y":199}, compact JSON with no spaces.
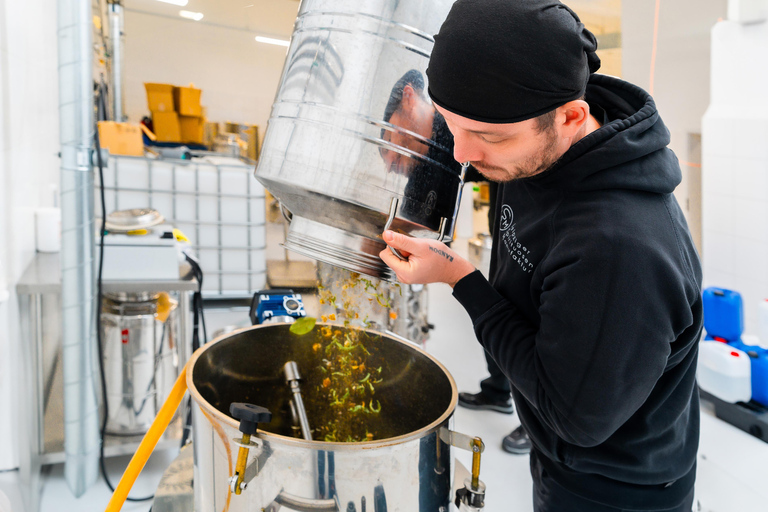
{"x":353,"y":143}
{"x":247,"y":457}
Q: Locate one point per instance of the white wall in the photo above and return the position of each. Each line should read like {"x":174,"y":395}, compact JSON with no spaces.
{"x":681,"y":84}
{"x":735,"y":158}
{"x":29,"y":145}
{"x":238,"y":76}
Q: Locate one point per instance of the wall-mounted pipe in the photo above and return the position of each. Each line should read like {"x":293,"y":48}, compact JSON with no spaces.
{"x":116,"y":24}
{"x":76,"y":125}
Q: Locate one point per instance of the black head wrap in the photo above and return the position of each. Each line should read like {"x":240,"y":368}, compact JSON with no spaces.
{"x":504,"y":61}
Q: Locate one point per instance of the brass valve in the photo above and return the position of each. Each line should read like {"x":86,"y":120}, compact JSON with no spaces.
{"x":250,"y":416}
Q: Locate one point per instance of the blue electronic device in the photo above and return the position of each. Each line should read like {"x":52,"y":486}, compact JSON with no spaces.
{"x":279,"y":305}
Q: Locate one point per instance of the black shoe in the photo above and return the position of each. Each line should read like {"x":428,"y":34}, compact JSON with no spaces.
{"x":517,"y":442}
{"x":481,"y":401}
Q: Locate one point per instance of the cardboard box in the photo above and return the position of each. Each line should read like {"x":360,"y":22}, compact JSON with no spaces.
{"x":166,"y":126}
{"x":191,"y":129}
{"x":187,"y":101}
{"x":250,"y":134}
{"x":210,"y":132}
{"x":160,"y":97}
{"x":121,"y":138}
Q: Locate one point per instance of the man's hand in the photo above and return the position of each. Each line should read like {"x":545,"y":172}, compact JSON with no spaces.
{"x":428,"y":261}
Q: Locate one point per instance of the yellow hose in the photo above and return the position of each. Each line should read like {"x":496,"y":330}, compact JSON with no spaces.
{"x":149,"y":442}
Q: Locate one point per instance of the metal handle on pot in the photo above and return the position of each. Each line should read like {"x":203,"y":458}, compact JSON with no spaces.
{"x":306,"y":504}
{"x":472,"y":496}
{"x":287,"y":216}
{"x":391,"y":217}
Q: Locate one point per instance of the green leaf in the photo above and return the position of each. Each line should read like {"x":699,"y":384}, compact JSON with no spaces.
{"x":303,"y":325}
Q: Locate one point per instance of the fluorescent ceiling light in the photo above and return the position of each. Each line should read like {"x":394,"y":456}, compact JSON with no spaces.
{"x":269,"y":40}
{"x":180,"y":3}
{"x":197,"y":16}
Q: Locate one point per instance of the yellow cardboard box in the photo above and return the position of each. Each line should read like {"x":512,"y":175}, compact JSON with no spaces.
{"x":250,"y":133}
{"x":191,"y":129}
{"x":166,"y":126}
{"x":121,"y":138}
{"x":187,"y":101}
{"x":159,"y":97}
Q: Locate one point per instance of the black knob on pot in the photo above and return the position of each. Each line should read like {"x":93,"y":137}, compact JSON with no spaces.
{"x":250,"y":416}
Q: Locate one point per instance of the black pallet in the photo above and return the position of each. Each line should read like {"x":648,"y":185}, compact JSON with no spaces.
{"x":750,"y":417}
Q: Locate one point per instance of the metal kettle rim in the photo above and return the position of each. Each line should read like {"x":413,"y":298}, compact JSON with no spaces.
{"x":211,"y":411}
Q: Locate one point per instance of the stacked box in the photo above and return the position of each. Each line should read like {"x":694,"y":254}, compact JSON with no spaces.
{"x":177,"y":115}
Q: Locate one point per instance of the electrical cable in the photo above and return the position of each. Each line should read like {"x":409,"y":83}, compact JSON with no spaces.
{"x":99,"y":341}
{"x":198,"y":320}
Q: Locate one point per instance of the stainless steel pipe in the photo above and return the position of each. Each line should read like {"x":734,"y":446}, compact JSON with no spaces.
{"x":78,"y":263}
{"x":352,"y":130}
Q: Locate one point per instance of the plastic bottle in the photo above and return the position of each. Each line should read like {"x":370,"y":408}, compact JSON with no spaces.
{"x":724,"y":371}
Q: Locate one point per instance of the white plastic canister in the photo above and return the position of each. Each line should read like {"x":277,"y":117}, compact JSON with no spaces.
{"x":724,"y":372}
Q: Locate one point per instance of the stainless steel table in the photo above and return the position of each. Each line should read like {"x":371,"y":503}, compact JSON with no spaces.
{"x":41,"y":421}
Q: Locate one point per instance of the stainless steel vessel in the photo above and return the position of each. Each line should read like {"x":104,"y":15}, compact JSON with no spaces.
{"x":408,"y":467}
{"x":353,"y":143}
{"x":141,"y":358}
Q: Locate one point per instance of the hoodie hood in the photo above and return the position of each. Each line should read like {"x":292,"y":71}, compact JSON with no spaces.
{"x":627,"y":152}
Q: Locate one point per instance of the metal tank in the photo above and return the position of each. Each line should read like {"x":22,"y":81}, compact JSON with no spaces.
{"x":141,"y":358}
{"x":349,"y":149}
{"x":407,"y":467}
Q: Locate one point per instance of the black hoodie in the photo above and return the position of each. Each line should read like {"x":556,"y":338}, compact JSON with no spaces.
{"x":593,"y":310}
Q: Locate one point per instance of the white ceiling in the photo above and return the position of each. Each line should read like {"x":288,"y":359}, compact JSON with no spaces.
{"x":265,"y":17}
{"x":276,"y":17}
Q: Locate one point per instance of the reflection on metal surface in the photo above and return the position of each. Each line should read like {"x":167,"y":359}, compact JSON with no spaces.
{"x":352,"y":129}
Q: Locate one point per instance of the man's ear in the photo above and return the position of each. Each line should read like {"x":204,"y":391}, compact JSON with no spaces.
{"x":409,"y":95}
{"x":572,"y":117}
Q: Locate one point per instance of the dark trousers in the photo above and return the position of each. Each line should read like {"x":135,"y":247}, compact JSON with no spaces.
{"x":549,"y":496}
{"x":496,"y":387}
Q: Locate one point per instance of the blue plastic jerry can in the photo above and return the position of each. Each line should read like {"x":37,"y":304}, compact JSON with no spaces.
{"x":758,"y":359}
{"x":723,"y":314}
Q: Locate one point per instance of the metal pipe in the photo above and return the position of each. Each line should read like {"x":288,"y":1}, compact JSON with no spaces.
{"x":292,"y":377}
{"x":116,"y":25}
{"x":76,"y":125}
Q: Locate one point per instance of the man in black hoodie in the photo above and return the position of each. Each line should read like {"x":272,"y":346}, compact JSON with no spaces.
{"x":593,"y":309}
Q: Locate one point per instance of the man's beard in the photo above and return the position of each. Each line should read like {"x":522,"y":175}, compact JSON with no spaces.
{"x":542,"y":161}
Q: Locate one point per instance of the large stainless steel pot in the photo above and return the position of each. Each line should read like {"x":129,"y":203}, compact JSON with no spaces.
{"x":407,"y":468}
{"x":342,"y":152}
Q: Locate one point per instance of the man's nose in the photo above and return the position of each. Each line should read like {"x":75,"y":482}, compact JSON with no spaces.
{"x":465,"y":149}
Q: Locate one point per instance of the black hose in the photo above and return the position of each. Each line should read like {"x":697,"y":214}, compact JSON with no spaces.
{"x":198,"y":320}
{"x":99,"y":341}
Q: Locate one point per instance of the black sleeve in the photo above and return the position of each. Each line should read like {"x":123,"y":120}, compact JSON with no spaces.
{"x":608,"y":314}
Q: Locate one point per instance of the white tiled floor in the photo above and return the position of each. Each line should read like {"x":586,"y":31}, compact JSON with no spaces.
{"x":733,"y":466}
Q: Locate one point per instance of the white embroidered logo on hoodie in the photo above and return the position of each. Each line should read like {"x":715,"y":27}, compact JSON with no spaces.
{"x":519,"y":253}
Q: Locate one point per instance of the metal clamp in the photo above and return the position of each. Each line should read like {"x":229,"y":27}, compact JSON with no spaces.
{"x":472,"y":496}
